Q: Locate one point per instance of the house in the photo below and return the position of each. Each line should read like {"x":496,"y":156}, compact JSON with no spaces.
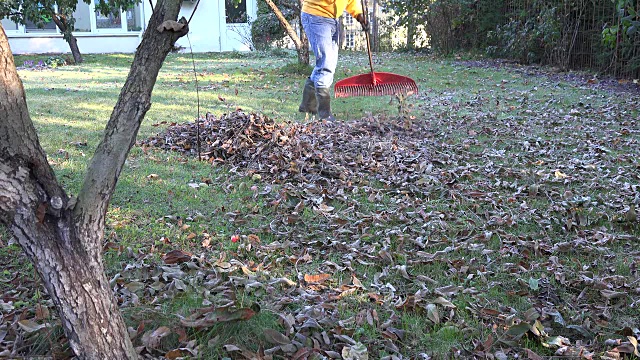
{"x":217,"y":25}
{"x":387,"y":35}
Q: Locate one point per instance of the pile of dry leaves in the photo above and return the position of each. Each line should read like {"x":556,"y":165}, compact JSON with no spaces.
{"x":392,"y":151}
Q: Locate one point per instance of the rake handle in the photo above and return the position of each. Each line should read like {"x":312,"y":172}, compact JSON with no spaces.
{"x":365,"y":11}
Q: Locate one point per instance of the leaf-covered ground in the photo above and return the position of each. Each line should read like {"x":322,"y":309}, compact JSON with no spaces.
{"x":494,"y":222}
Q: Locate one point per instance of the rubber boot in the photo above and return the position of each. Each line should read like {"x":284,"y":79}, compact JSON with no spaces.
{"x":324,"y":104}
{"x":309,"y":103}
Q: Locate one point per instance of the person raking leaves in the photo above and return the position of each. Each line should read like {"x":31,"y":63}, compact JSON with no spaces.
{"x":320,"y":22}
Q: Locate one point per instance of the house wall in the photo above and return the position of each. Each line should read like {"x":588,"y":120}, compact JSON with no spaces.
{"x":88,"y":44}
{"x":208,"y":33}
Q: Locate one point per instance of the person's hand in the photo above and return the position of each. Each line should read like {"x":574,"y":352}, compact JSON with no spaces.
{"x":363,"y":21}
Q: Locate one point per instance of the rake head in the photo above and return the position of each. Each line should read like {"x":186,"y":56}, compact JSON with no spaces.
{"x":375,"y":84}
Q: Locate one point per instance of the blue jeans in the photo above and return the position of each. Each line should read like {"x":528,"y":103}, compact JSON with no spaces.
{"x":323,"y":34}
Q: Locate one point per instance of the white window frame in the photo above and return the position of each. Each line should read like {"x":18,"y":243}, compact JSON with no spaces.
{"x":94,"y":22}
{"x":348,"y":19}
{"x":20,"y":29}
{"x":123,"y":29}
{"x":350,"y":40}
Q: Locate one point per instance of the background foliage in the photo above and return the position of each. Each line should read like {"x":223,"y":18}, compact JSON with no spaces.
{"x":265,"y":29}
{"x":599,"y":35}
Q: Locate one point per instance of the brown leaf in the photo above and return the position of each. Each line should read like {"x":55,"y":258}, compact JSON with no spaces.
{"x":276,"y":337}
{"x":42,"y":312}
{"x":317,"y":279}
{"x":377,"y":298}
{"x":179,"y":353}
{"x":152,"y":339}
{"x":176,"y":257}
{"x":356,"y":282}
{"x":182,"y":334}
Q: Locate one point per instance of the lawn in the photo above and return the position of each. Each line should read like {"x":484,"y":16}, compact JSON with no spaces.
{"x":494,"y":214}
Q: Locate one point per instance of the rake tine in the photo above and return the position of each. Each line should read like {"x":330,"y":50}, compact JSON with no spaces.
{"x":375,"y":90}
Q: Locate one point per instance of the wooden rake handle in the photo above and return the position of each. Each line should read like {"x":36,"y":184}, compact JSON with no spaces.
{"x":365,"y":12}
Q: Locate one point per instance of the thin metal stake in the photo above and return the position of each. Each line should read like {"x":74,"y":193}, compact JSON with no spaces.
{"x":195,"y":75}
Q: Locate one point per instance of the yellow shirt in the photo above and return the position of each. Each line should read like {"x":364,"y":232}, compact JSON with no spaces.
{"x":332,"y":8}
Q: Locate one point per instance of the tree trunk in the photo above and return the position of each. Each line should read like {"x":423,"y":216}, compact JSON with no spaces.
{"x":343,"y":33}
{"x":411,"y":32}
{"x":303,"y":53}
{"x":63,"y":237}
{"x":375,"y":33}
{"x":67,"y":34}
{"x":75,"y":50}
{"x":301,"y":48}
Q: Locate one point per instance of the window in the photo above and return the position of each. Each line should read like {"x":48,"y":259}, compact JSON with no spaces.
{"x":115,"y":23}
{"x":9,"y":25}
{"x":348,"y":19}
{"x":87,"y":19}
{"x":109,"y":21}
{"x":83,"y":17}
{"x":134,"y":18}
{"x":236,"y":12}
{"x":43,"y":25}
{"x":350,"y":40}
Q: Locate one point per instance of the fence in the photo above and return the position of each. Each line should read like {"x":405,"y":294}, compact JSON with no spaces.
{"x":590,"y":34}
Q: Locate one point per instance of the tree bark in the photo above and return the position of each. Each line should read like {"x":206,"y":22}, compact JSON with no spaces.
{"x":411,"y":32}
{"x":63,"y":237}
{"x":375,"y":32}
{"x":303,"y":53}
{"x":302,"y":48}
{"x":67,"y":34}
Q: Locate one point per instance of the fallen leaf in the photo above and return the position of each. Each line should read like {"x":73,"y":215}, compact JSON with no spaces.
{"x":560,"y":175}
{"x":610,"y":294}
{"x":356,"y":352}
{"x":31,"y":326}
{"x":317,"y":279}
{"x":433,"y":314}
{"x":176,"y":257}
{"x":532,"y":355}
{"x":152,"y":339}
{"x":276,"y":337}
{"x":519,"y":330}
{"x":444,"y":302}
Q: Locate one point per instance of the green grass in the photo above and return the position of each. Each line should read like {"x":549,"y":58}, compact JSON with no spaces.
{"x":491,"y":131}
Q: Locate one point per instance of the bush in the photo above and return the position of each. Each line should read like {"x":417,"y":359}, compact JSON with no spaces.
{"x":531,"y":38}
{"x":266,"y":29}
{"x":55,"y":61}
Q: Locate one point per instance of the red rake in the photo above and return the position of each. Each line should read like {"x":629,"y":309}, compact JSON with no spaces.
{"x":375,"y":83}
